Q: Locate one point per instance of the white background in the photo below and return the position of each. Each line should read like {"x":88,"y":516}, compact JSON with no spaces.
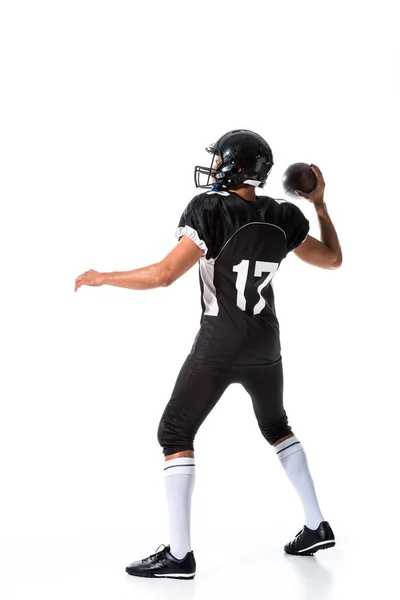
{"x":105,"y":109}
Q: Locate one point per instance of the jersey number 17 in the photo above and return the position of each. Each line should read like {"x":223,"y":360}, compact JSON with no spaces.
{"x":261,"y":268}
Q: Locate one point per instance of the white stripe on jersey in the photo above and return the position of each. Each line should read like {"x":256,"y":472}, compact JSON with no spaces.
{"x":209,"y":292}
{"x":246,"y":225}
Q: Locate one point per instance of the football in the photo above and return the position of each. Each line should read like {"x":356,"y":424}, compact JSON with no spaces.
{"x":299,"y":176}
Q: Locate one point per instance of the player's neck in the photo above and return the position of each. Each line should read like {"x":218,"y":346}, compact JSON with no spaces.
{"x":248,"y":194}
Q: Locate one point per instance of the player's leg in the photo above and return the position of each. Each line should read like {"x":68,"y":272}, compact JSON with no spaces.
{"x":293,"y":459}
{"x":196,"y":392}
{"x":175,"y":435}
{"x":265,"y":386}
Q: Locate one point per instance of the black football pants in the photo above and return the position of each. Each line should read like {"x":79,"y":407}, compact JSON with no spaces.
{"x":199,"y":387}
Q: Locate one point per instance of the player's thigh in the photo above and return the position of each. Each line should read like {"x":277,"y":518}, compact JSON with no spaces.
{"x":197,"y":390}
{"x":265,"y":387}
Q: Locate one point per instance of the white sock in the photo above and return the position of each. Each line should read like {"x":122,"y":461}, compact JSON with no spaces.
{"x":179,"y":483}
{"x":294,"y":461}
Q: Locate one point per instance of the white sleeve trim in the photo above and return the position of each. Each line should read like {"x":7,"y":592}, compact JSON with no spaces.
{"x":304,"y":239}
{"x":193,"y":235}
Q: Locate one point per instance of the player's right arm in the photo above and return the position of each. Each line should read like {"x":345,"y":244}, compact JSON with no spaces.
{"x":326,"y":253}
{"x":319,"y":254}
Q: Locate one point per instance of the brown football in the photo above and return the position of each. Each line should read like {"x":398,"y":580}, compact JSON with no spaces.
{"x":299,"y":176}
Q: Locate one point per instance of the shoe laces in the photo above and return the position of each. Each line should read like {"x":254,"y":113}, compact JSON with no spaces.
{"x":297,"y":535}
{"x":156,"y":555}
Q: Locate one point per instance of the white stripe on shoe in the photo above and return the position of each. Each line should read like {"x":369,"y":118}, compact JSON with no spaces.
{"x":175,"y":575}
{"x":318,"y":544}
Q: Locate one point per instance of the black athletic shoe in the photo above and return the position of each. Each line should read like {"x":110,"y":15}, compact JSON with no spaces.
{"x":308,"y":541}
{"x":163,"y":564}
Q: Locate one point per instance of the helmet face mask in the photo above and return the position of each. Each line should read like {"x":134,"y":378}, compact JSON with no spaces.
{"x":216,"y":174}
{"x":245,"y":158}
{"x":206,"y":177}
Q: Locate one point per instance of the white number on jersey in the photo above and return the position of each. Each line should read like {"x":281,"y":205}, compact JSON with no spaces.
{"x":242,"y":269}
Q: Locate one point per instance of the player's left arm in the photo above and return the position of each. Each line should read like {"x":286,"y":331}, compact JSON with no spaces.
{"x":162,"y":274}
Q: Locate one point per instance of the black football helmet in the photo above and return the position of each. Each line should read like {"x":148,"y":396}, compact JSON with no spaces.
{"x":246,"y":158}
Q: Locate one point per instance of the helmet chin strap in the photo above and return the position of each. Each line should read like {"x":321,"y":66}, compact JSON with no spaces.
{"x":216,"y":187}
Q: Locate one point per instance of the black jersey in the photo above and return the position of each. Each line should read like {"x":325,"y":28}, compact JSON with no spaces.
{"x":243,"y":245}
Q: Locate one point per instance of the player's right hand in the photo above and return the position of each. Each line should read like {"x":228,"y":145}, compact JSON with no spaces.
{"x":317,"y":195}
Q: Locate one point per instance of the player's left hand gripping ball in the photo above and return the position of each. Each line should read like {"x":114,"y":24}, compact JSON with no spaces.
{"x":89,"y":278}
